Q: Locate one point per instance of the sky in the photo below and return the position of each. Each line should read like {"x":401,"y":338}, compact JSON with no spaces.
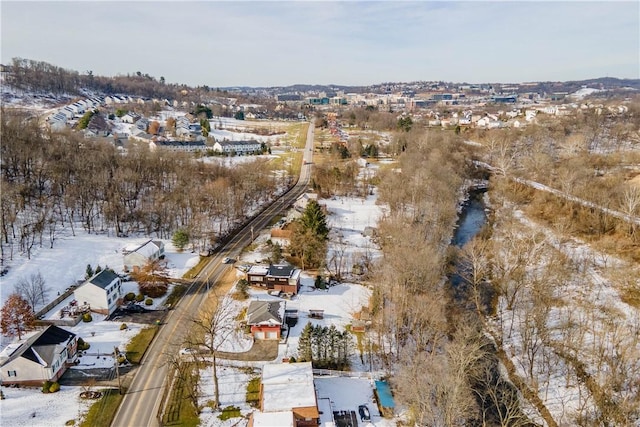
{"x":242,"y":43}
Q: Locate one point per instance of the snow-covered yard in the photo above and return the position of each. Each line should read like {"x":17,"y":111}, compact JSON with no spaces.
{"x":61,"y":267}
{"x":24,"y":407}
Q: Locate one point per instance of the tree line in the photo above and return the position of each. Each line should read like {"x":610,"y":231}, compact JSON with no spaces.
{"x":40,"y":76}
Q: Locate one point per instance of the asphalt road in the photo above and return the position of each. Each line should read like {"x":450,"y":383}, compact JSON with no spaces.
{"x":141,"y":403}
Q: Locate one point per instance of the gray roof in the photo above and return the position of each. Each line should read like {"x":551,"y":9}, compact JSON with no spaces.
{"x":43,"y":346}
{"x":103,"y":279}
{"x":236,"y":143}
{"x":263,"y":311}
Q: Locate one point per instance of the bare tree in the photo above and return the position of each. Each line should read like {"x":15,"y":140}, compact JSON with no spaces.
{"x":630,"y":205}
{"x":212,"y":329}
{"x":33,"y":289}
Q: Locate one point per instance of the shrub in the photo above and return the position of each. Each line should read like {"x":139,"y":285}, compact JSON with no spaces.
{"x":123,"y":326}
{"x":242,"y":288}
{"x":122,"y":359}
{"x":83,"y":345}
{"x":253,"y":392}
{"x":70,"y":423}
{"x":54,"y":387}
{"x":148,"y":301}
{"x":154,"y":290}
{"x":230,"y":412}
{"x":139,"y":297}
{"x":46,"y":386}
{"x":87,"y":317}
{"x":130,"y":296}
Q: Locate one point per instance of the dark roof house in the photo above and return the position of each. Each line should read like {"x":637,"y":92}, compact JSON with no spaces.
{"x":43,"y":356}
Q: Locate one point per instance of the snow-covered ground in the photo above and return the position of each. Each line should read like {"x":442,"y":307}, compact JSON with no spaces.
{"x":347,"y":218}
{"x":585,"y":318}
{"x":24,"y":407}
{"x":60,"y":267}
{"x":66,"y":263}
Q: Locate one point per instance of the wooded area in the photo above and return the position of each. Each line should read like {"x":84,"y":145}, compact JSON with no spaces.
{"x":55,"y":180}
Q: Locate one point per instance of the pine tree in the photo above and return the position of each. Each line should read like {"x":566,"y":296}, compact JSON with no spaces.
{"x":314,"y":220}
{"x":332,"y":342}
{"x":304,"y":344}
{"x":17,"y":316}
{"x":89,"y":272}
{"x":180,"y":239}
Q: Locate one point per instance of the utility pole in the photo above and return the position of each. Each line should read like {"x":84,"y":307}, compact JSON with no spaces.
{"x":115,"y":359}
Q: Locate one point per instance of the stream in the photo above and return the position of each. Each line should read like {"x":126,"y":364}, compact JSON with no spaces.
{"x":472,"y":218}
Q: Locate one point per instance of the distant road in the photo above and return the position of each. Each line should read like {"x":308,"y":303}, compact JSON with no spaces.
{"x":142,"y":401}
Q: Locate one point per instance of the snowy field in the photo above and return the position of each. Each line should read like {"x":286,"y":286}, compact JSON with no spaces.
{"x":66,"y":263}
{"x":31,"y":408}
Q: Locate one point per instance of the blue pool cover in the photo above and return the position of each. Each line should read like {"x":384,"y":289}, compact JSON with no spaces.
{"x":384,"y":394}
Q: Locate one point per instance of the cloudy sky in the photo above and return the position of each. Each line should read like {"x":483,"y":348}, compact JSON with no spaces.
{"x":223,"y":44}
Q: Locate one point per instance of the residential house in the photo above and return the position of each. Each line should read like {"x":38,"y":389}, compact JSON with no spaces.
{"x":142,"y":124}
{"x":68,"y":112}
{"x":97,"y":126}
{"x":265,"y":319}
{"x":150,"y":250}
{"x":301,"y":202}
{"x":41,"y":357}
{"x":237,"y":147}
{"x":130,"y":117}
{"x":57,"y":121}
{"x":186,"y":146}
{"x":102,"y":292}
{"x":287,"y":397}
{"x":280,"y":277}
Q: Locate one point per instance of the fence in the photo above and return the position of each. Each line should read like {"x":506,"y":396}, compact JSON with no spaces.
{"x":44,"y":310}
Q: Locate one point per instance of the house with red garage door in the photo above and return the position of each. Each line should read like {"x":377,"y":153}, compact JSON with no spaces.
{"x":265,"y":319}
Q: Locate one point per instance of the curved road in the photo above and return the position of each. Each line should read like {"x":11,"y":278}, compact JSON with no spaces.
{"x":141,"y":403}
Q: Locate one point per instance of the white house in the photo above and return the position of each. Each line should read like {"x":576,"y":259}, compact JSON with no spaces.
{"x":43,"y":356}
{"x":150,"y":250}
{"x":287,"y":396}
{"x":187,"y":146}
{"x":130,"y":117}
{"x":238,"y":147}
{"x":101,"y":292}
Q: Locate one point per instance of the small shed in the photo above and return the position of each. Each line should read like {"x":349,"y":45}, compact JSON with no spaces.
{"x":316,"y":314}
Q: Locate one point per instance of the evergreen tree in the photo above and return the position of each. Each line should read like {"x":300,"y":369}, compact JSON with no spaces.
{"x":309,"y":238}
{"x":304,"y":344}
{"x":180,"y":239}
{"x":89,"y":272}
{"x":314,"y":220}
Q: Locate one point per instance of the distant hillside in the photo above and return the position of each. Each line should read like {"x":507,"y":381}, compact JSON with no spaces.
{"x":39,"y":76}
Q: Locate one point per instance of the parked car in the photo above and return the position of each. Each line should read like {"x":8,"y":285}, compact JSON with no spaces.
{"x":134,"y":308}
{"x":364,"y":413}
